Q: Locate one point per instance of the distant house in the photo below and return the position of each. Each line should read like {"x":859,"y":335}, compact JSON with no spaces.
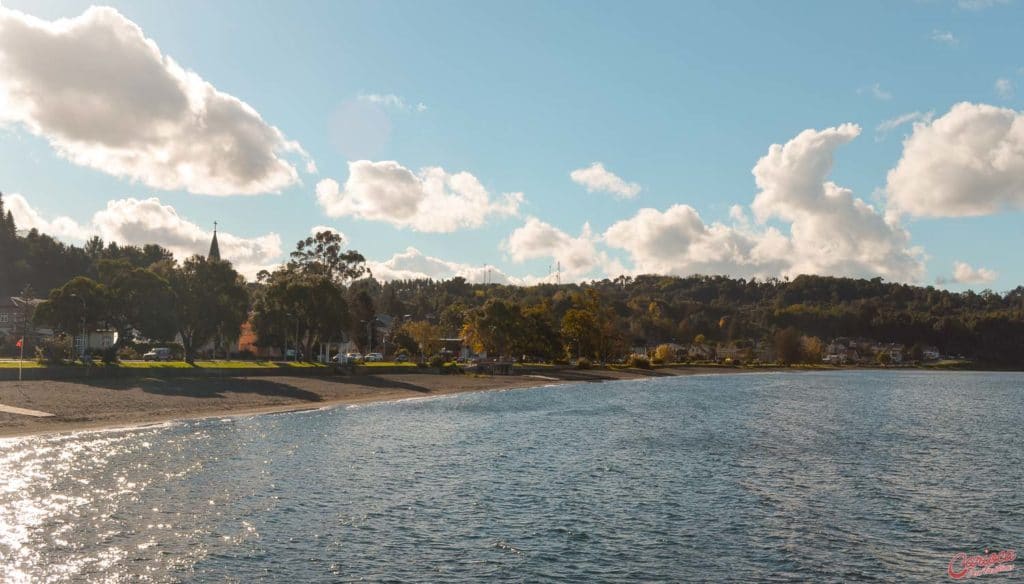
{"x":931,"y":354}
{"x":702,"y":353}
{"x":16,"y":320}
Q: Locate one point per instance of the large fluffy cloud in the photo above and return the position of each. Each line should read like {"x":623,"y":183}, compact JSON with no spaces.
{"x":576,"y":256}
{"x":412,"y":264}
{"x":964,"y":273}
{"x":141,"y":221}
{"x":431,"y":200}
{"x":26,"y":217}
{"x":106,"y":97}
{"x":830,"y":230}
{"x":967,"y":162}
{"x":597,"y":178}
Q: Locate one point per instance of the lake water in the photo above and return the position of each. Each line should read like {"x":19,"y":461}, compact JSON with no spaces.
{"x":838,"y":476}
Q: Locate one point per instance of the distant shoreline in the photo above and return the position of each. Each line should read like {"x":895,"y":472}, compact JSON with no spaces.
{"x":125,"y":402}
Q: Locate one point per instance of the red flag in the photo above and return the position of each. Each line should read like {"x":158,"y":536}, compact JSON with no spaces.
{"x":18,"y":344}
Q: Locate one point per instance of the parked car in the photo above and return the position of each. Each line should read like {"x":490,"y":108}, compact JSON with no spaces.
{"x":373,"y":357}
{"x":354,"y":357}
{"x":401,"y":358}
{"x":290,"y":355}
{"x":158,"y":354}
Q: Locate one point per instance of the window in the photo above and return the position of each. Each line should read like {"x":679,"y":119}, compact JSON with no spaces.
{"x":5,"y":317}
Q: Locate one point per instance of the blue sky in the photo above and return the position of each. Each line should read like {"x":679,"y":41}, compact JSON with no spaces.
{"x":680,"y":99}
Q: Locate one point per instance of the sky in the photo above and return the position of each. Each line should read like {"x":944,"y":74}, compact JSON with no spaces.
{"x":529,"y":141}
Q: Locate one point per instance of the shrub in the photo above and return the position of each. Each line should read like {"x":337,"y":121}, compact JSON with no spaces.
{"x":657,"y":361}
{"x":421,"y":365}
{"x":54,"y":349}
{"x":583,"y":363}
{"x":639,"y":361}
{"x":437,"y":361}
{"x":664,"y":354}
{"x":128,"y":353}
{"x":109,"y":355}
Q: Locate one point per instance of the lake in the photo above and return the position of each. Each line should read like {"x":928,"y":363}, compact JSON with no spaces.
{"x":832,"y":476}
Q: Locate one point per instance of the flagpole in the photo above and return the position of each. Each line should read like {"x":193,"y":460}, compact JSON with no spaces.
{"x":21,"y":357}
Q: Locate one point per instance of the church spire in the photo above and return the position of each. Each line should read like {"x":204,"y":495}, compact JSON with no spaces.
{"x":214,"y":255}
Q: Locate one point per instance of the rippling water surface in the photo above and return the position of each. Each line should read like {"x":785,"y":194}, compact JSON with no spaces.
{"x":875,"y":476}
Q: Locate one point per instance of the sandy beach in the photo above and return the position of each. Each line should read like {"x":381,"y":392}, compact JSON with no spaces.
{"x":103,"y":403}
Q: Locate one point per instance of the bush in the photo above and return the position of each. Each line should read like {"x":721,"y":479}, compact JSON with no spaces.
{"x":559,"y":362}
{"x":639,"y":361}
{"x":127,"y":354}
{"x":663,"y":354}
{"x":657,"y":361}
{"x":452,"y":369}
{"x":54,"y":349}
{"x":583,"y":363}
{"x":109,"y":355}
{"x":437,"y":361}
{"x":421,"y":365}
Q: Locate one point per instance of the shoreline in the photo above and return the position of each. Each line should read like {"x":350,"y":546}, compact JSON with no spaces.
{"x":127,"y":403}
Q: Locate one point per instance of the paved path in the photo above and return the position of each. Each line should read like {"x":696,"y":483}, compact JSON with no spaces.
{"x":24,"y":412}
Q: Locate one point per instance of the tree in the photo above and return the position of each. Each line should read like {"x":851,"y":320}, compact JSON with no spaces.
{"x":210,"y":303}
{"x":322,"y":255}
{"x":811,"y":349}
{"x":787,"y":346}
{"x":310,"y":309}
{"x":425,"y":336}
{"x":364,"y":315}
{"x":137,"y":299}
{"x":78,"y":306}
{"x":493,"y":327}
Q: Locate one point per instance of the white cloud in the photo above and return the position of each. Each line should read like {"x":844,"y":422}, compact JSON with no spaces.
{"x":431,"y":200}
{"x":322,"y":228}
{"x":892,"y":123}
{"x":140,"y":221}
{"x":877,"y":92}
{"x":1004,"y":88}
{"x":945,"y":37}
{"x":27,"y":218}
{"x":677,"y":241}
{"x":596,"y":178}
{"x":106,"y":97}
{"x":577,"y":256}
{"x":963,"y":273}
{"x":412,"y":264}
{"x":968,"y":162}
{"x":830,"y":231}
{"x":390,"y":100}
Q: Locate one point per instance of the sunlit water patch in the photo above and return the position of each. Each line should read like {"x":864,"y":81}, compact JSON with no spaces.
{"x":787,"y":477}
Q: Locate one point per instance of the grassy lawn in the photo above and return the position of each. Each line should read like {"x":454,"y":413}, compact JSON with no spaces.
{"x":26,"y":364}
{"x":389,"y":364}
{"x":13,"y":364}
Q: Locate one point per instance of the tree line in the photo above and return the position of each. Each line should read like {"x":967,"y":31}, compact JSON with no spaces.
{"x":324,"y":293}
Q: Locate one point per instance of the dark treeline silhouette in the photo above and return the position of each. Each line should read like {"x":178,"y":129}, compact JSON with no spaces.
{"x":323,"y":290}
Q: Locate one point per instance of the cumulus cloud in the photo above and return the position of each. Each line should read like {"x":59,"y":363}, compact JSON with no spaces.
{"x":27,"y":218}
{"x":140,"y":221}
{"x":412,"y":264}
{"x":576,"y":256}
{"x":964,"y":273}
{"x":321,"y":228}
{"x":830,"y":230}
{"x":431,"y":200}
{"x":105,"y":97}
{"x":968,"y":162}
{"x":596,"y":178}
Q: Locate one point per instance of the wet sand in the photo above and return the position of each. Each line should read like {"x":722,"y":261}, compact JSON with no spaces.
{"x":103,"y":403}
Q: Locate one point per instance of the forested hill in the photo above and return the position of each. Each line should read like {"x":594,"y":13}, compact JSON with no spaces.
{"x":638,"y":311}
